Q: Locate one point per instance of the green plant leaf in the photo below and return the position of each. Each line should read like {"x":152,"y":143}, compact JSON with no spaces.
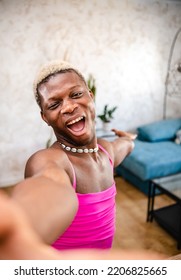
{"x":107,"y":114}
{"x":91,"y":82}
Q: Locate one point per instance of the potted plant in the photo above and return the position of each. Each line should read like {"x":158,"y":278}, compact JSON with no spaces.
{"x":107,"y":116}
{"x":91,"y":82}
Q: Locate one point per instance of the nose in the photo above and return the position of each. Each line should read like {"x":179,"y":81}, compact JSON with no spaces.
{"x":68,"y":107}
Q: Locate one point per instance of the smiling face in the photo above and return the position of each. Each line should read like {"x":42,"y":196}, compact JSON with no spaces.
{"x":68,"y":107}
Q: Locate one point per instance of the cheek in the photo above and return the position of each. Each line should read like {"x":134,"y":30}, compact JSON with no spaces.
{"x":92,"y":110}
{"x":52,"y":118}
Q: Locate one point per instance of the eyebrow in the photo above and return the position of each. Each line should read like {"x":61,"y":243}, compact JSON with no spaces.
{"x":71,"y":89}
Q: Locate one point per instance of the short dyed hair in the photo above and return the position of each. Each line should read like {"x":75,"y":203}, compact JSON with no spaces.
{"x":48,"y":70}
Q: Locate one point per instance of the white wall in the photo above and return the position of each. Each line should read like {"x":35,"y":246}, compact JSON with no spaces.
{"x":124,"y":44}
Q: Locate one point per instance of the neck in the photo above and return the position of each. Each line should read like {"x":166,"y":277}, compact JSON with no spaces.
{"x":79,"y":150}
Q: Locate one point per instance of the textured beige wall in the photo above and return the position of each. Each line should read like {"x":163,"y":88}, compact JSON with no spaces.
{"x":124,"y":44}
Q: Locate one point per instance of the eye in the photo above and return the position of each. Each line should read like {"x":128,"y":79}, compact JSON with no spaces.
{"x":53,"y":106}
{"x":77,"y":94}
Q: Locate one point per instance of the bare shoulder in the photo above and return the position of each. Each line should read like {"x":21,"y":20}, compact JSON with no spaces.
{"x":44,"y":159}
{"x":107,"y":146}
{"x":120,"y":148}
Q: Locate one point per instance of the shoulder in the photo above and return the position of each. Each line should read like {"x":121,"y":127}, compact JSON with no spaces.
{"x":107,"y":146}
{"x":118,"y":149}
{"x":46,"y":158}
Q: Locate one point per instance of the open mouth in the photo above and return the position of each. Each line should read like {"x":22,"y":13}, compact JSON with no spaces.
{"x":77,"y":125}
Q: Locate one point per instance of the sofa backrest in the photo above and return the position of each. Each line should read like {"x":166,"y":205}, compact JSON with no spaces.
{"x":163,"y":130}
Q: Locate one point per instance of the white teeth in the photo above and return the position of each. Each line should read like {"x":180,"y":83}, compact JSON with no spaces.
{"x":76,"y":120}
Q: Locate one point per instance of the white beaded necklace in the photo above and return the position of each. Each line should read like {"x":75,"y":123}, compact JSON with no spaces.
{"x":80,"y":151}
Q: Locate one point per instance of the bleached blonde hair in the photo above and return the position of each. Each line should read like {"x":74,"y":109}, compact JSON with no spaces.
{"x":50,"y":69}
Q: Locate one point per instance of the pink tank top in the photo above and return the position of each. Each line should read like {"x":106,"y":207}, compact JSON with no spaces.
{"x":94,"y":223}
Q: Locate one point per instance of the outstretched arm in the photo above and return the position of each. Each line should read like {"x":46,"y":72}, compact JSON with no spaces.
{"x":122,"y":146}
{"x":49,"y":205}
{"x":18,"y":240}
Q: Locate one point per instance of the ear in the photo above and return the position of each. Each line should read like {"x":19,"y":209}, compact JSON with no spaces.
{"x":43,"y":117}
{"x":91,"y":95}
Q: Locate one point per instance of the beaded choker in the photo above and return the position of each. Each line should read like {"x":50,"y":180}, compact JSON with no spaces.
{"x":80,"y":151}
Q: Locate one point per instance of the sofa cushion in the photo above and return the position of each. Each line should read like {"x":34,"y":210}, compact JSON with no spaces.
{"x":159,"y":131}
{"x":154,"y":159}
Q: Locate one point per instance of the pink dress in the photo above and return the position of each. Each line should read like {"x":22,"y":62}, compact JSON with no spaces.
{"x":94,"y":223}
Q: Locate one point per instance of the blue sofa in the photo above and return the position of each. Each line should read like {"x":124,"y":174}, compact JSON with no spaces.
{"x":155,"y":155}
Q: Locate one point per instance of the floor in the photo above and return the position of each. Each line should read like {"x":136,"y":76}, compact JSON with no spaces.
{"x":132,"y":230}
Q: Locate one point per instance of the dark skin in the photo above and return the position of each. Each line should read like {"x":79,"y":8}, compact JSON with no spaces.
{"x":67,"y":105}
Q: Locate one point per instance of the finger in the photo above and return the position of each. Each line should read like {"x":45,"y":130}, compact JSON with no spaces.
{"x":123,"y":133}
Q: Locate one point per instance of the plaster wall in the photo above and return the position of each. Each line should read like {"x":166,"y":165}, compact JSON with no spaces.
{"x":124,"y":44}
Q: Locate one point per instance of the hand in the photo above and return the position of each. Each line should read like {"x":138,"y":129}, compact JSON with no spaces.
{"x":121,"y":133}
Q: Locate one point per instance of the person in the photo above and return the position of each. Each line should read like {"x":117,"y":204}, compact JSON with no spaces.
{"x":19,"y":241}
{"x":69,"y":191}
